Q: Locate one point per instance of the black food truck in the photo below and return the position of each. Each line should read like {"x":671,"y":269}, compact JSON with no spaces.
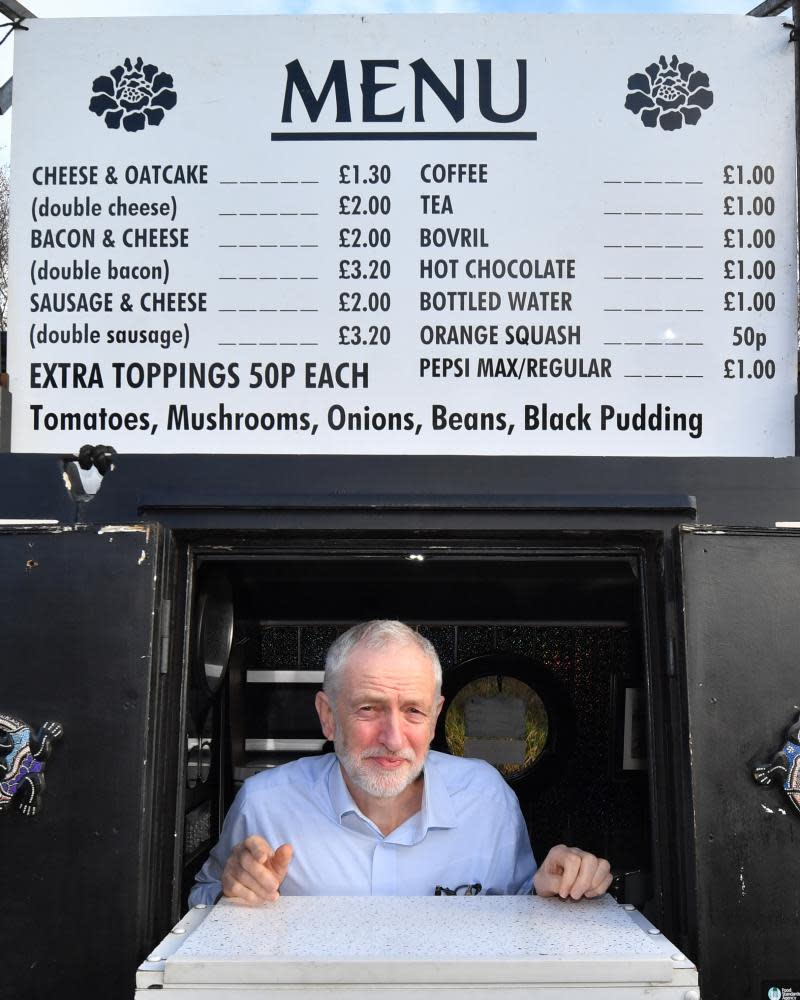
{"x":163,"y":625}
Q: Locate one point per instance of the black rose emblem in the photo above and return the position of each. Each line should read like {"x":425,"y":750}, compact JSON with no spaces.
{"x":133,"y":95}
{"x":669,"y":94}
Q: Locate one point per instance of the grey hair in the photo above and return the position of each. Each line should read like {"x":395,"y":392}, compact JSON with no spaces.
{"x":375,"y":634}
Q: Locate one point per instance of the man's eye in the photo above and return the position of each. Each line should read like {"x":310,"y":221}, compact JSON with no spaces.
{"x":365,"y":708}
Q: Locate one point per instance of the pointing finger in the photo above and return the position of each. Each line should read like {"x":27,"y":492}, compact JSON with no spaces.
{"x":279,"y":862}
{"x":257,"y":873}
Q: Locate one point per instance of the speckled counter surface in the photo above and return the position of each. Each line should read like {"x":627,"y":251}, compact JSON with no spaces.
{"x":419,"y":940}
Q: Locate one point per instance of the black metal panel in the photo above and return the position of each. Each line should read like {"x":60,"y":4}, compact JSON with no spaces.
{"x":78,"y":634}
{"x":33,"y":486}
{"x":235,"y":491}
{"x":743,"y":689}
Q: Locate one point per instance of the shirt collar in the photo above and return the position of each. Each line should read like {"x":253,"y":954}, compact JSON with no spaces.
{"x":341,"y":799}
{"x":437,"y":807}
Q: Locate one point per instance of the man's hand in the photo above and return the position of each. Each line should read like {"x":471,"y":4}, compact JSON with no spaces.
{"x":254,"y":872}
{"x":571,"y":873}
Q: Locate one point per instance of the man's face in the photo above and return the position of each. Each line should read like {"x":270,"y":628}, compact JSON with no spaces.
{"x":383,"y":718}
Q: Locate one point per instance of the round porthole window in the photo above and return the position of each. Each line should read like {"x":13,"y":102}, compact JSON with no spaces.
{"x":500,"y":719}
{"x":507,"y":710}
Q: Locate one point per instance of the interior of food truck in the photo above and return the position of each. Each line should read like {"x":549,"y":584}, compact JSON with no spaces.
{"x":566,"y":632}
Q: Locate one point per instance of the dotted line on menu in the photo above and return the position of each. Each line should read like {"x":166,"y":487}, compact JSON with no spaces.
{"x":652,"y":213}
{"x":655,"y":182}
{"x":267,"y":246}
{"x":619,"y":310}
{"x":269,"y":277}
{"x":267,"y":343}
{"x":255,"y":215}
{"x":653,"y":343}
{"x":653,"y":246}
{"x":269,"y":182}
{"x":647,"y":277}
{"x":267,"y":310}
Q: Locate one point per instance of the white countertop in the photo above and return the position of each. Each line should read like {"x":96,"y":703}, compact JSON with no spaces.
{"x":385,"y":939}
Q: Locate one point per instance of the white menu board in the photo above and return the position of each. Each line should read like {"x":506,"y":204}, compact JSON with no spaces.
{"x":513,"y":235}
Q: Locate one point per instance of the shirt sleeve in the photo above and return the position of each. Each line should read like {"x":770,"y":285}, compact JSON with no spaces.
{"x":236,"y":828}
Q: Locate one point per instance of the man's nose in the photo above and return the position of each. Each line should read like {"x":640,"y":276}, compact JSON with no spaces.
{"x":391,"y":732}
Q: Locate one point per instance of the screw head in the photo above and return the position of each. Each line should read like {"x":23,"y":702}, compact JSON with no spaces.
{"x":654,"y":930}
{"x":156,"y":958}
{"x":178,"y":930}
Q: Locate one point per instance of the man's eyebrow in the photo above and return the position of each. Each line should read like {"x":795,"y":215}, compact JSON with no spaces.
{"x":373,"y":696}
{"x":367,"y":696}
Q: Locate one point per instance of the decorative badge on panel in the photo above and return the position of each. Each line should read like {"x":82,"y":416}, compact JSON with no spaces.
{"x":22,"y":761}
{"x":670,"y":94}
{"x":133,"y":95}
{"x":784,"y":766}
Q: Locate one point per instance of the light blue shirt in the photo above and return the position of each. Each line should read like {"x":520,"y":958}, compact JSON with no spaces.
{"x":469,"y":829}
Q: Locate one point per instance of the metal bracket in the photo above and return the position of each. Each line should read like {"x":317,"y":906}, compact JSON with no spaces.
{"x":16,"y":14}
{"x":14,"y":25}
{"x":165,"y":624}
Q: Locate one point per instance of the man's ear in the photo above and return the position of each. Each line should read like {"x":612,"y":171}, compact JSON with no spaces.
{"x":324,"y":708}
{"x":439,"y":707}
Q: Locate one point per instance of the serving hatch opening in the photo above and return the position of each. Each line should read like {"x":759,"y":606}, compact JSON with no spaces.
{"x":547,"y":658}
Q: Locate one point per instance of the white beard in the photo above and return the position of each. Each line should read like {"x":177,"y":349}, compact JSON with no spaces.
{"x":377,"y":783}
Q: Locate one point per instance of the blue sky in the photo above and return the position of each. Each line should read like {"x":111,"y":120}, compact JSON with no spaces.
{"x":104,"y":8}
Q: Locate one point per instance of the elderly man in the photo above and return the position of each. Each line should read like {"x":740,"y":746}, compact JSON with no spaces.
{"x":383,"y":815}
